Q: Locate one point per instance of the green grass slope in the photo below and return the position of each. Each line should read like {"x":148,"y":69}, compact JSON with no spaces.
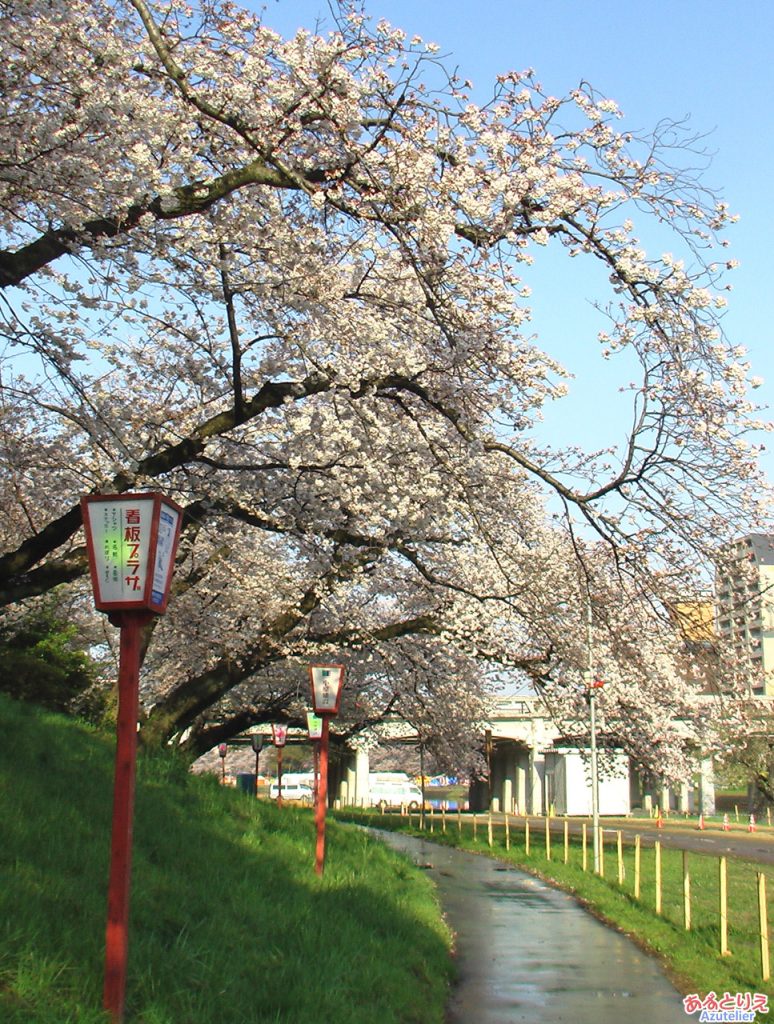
{"x":229,"y":922}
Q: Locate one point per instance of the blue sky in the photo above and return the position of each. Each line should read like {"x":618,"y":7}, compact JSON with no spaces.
{"x":706,"y":59}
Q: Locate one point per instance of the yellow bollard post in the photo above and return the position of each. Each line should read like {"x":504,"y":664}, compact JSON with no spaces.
{"x":657,"y":851}
{"x":763,"y":922}
{"x":507,"y":832}
{"x":686,"y":892}
{"x":566,"y":841}
{"x":526,"y":837}
{"x":723,"y":899}
{"x":619,"y":850}
{"x":548,"y":839}
{"x":584,"y":848}
{"x":637,"y":854}
{"x":489,"y":836}
{"x":601,"y":852}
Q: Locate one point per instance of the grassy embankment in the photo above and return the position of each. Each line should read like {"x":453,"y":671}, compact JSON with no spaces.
{"x":691,"y":957}
{"x":229,"y":922}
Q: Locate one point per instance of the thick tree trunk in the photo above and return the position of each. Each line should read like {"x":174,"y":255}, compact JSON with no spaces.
{"x":191,"y":698}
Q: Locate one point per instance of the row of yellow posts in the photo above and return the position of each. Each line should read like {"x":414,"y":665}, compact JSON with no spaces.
{"x":763,"y":928}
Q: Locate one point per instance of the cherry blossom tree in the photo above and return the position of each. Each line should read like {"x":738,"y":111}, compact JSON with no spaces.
{"x":284,"y":280}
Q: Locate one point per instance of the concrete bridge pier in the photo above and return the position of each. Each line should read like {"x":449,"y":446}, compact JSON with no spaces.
{"x":362,"y":777}
{"x":511,"y":768}
{"x":507,"y":796}
{"x":684,"y":800}
{"x":706,"y":787}
{"x":349,"y":783}
{"x":351,"y":780}
{"x":520,"y":789}
{"x":537,"y":774}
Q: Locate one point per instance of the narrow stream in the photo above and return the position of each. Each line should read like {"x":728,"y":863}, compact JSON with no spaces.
{"x":527,"y":952}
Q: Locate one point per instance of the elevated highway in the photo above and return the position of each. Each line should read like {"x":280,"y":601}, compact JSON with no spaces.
{"x":530,"y":769}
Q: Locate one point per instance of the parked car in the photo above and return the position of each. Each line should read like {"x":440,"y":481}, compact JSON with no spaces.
{"x":395,"y":794}
{"x":293,"y":792}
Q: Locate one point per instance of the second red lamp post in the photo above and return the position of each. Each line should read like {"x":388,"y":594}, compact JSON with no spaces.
{"x":327,"y":682}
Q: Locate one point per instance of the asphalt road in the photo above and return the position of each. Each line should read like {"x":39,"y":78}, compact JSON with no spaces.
{"x":682,"y":835}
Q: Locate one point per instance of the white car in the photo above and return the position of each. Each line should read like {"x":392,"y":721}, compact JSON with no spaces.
{"x":297,"y":792}
{"x":395,"y":794}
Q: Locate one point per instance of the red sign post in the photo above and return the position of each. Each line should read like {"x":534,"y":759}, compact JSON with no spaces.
{"x":131,"y":540}
{"x":327,"y":682}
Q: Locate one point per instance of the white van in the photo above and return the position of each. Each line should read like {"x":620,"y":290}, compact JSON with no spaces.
{"x":297,"y":792}
{"x":395,"y":793}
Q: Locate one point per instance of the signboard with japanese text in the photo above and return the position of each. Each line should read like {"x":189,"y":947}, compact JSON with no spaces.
{"x":327,"y":681}
{"x":314,"y":725}
{"x":166,"y":542}
{"x":279,"y":735}
{"x":132,"y":539}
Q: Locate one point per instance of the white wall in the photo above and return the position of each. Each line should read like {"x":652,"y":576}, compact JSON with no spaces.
{"x":572,"y":782}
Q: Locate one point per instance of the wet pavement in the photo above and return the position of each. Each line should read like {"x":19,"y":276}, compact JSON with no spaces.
{"x":527,"y":952}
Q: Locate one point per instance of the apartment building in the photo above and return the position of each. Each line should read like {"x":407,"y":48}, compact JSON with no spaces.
{"x":745,"y":605}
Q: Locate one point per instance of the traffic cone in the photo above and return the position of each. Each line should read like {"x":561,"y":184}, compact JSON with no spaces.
{"x":751,"y":824}
{"x":725,"y":823}
{"x":701,"y":822}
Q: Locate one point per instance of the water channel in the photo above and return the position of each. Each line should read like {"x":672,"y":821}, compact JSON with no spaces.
{"x":527,"y":952}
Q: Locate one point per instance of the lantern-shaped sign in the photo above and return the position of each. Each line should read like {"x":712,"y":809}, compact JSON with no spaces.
{"x":314,"y":725}
{"x":222,"y":749}
{"x":327,"y":681}
{"x":256,"y":742}
{"x":279,"y":735}
{"x":131,"y":539}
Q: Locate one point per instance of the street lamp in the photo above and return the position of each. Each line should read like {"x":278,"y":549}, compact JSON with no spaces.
{"x":327,"y":682}
{"x":256,"y":742}
{"x":279,"y":736}
{"x":592,"y":685}
{"x":131,"y":541}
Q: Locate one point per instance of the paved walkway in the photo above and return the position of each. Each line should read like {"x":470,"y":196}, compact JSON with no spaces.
{"x":527,"y":952}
